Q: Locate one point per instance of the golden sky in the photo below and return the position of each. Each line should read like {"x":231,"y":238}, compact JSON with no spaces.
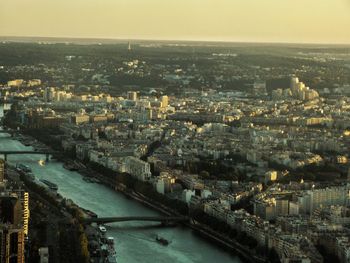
{"x":311,"y":21}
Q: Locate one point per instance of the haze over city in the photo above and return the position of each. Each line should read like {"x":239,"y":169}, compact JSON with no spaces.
{"x":297,"y":21}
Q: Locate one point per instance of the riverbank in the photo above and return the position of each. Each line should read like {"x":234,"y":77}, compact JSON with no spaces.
{"x":134,"y":241}
{"x":204,"y":231}
{"x":224,"y":242}
{"x":198,"y":228}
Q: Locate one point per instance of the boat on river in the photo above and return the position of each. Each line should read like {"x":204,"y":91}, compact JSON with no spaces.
{"x":23,"y":168}
{"x":162,"y":240}
{"x":111,"y":254}
{"x":51,"y":185}
{"x":30,"y":176}
{"x":70,"y":167}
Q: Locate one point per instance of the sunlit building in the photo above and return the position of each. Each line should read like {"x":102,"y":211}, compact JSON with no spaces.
{"x":132,"y":95}
{"x":165,"y":101}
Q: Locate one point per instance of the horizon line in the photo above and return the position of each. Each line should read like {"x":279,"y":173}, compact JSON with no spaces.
{"x":222,"y":41}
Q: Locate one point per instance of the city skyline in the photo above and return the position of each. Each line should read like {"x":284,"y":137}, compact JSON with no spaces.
{"x":188,"y":131}
{"x":222,"y":21}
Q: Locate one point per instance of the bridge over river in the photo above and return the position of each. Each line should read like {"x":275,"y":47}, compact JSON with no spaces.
{"x":47,"y":153}
{"x":162,"y":219}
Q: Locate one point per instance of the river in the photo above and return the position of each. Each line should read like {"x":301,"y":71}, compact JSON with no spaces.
{"x":135,"y":241}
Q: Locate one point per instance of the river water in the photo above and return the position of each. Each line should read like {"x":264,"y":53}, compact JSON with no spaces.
{"x":135,"y":241}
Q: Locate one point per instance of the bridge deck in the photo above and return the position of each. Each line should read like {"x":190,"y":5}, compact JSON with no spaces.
{"x":6,"y":153}
{"x":135,"y":218}
{"x":26,"y":152}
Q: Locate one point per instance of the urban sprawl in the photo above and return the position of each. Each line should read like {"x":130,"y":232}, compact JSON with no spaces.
{"x":269,"y":165}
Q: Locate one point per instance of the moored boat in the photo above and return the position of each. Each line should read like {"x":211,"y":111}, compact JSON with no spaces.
{"x":111,"y":255}
{"x":24,"y":168}
{"x":162,"y":241}
{"x":51,"y":185}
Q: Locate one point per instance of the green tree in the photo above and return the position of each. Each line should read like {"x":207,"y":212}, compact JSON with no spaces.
{"x":204,"y":174}
{"x":84,"y":251}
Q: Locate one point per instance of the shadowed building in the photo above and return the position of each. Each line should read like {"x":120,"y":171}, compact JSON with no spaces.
{"x":11,"y":230}
{"x":12,"y":244}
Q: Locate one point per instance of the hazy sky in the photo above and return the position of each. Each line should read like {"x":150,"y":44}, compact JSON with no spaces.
{"x":229,"y":20}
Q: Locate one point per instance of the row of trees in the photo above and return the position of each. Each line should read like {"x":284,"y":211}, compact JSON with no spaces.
{"x":213,"y":170}
{"x":73,"y":243}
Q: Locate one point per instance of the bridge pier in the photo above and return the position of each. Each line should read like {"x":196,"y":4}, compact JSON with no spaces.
{"x":5,"y":157}
{"x":164,"y":223}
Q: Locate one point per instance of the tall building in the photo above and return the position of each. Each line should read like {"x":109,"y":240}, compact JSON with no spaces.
{"x":293,"y":83}
{"x":49,"y":94}
{"x":311,"y":200}
{"x":300,"y":91}
{"x":326,"y":197}
{"x":10,"y":209}
{"x":265,"y":210}
{"x":11,"y":230}
{"x":23,"y":197}
{"x":14,"y":218}
{"x":25,"y":212}
{"x":11,"y":244}
{"x":132,"y":95}
{"x":282,"y":207}
{"x":165,"y":101}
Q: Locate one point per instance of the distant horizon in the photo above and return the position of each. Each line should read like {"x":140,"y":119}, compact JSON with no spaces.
{"x":257,"y":21}
{"x":19,"y":38}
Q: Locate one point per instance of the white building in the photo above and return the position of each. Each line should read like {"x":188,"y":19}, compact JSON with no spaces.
{"x":138,"y":168}
{"x":310,"y":200}
{"x":187,"y":194}
{"x":165,"y":101}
